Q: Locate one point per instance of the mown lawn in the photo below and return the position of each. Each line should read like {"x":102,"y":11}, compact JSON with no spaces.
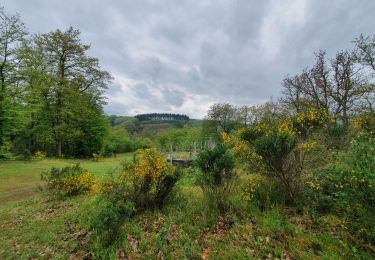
{"x":20,"y":179}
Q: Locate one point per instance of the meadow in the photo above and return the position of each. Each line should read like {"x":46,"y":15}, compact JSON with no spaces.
{"x":35,"y":226}
{"x":20,"y":179}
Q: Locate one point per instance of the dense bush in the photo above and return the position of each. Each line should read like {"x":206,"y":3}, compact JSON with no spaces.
{"x":217,"y":175}
{"x":262,"y":191}
{"x":119,"y":141}
{"x":69,"y":181}
{"x":279,"y":151}
{"x":151,"y":178}
{"x":306,"y":121}
{"x":109,"y":217}
{"x":350,"y":182}
{"x":144,"y":184}
{"x":348,"y":186}
{"x":147,"y":182}
{"x":39,"y":155}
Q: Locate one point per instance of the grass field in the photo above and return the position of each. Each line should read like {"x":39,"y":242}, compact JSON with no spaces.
{"x":34,"y":227}
{"x":20,"y":179}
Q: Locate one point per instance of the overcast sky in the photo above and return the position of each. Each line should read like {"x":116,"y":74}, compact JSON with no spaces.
{"x":182,"y":56}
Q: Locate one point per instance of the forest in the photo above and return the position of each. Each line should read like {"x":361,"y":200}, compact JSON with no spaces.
{"x":292,"y":178}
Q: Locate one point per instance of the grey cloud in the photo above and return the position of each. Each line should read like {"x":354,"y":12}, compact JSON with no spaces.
{"x":174,"y":55}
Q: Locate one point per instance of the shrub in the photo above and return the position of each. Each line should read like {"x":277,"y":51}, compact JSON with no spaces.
{"x":95,"y":157}
{"x":39,"y":155}
{"x":109,"y":217}
{"x":350,"y":182}
{"x":348,"y":186}
{"x":144,"y":184}
{"x":149,"y":180}
{"x":283,"y":159}
{"x":262,"y":191}
{"x":305,"y":121}
{"x":217,"y":175}
{"x":282,"y":151}
{"x":68,"y":181}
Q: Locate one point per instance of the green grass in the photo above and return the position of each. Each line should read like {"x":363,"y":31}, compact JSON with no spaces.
{"x":32,"y":226}
{"x":20,"y":179}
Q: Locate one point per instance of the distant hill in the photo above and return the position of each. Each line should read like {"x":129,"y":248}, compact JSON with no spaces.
{"x":162,"y":117}
{"x":153,"y":125}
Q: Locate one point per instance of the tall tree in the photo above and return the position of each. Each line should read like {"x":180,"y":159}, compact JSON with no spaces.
{"x":12,"y":34}
{"x":310,"y":88}
{"x":365,"y":54}
{"x":349,"y":85}
{"x":74,"y":76}
{"x":224,"y":115}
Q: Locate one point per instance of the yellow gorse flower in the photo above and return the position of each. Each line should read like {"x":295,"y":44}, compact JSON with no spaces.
{"x":150,"y":164}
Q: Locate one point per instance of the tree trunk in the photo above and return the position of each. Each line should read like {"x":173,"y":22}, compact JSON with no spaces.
{"x":59,"y":149}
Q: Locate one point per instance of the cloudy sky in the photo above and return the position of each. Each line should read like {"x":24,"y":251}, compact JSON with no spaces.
{"x":182,"y":56}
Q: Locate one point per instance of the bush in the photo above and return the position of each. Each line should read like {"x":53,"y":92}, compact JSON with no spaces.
{"x":68,"y":181}
{"x":109,"y":217}
{"x":152,"y":178}
{"x":144,"y":184}
{"x":350,"y":182}
{"x":39,"y":155}
{"x":278,"y":146}
{"x":217,"y":176}
{"x":306,"y":121}
{"x":337,"y":136}
{"x":348,"y":186}
{"x":262,"y":191}
{"x":283,"y":159}
{"x":95,"y":157}
{"x":147,"y":182}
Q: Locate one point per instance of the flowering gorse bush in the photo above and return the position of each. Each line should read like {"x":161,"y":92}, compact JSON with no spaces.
{"x":347,"y":186}
{"x":351,"y":180}
{"x":305,"y":121}
{"x":281,"y":151}
{"x":69,"y":181}
{"x":261,"y":191}
{"x":243,"y":151}
{"x":365,"y":122}
{"x":143,"y":184}
{"x":150,"y":179}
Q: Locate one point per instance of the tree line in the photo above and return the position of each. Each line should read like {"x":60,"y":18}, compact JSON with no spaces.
{"x":162,"y":117}
{"x":51,"y":92}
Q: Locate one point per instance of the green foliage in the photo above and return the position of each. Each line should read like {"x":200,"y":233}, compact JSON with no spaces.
{"x":278,"y":150}
{"x":217,"y":176}
{"x":147,"y":182}
{"x":275,"y":148}
{"x":108,"y":218}
{"x":51,"y":93}
{"x":180,"y":138}
{"x":336,"y":136}
{"x":262,"y":191}
{"x":350,"y":182}
{"x":68,"y":181}
{"x":348,"y":186}
{"x":144,"y":184}
{"x":151,"y":178}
